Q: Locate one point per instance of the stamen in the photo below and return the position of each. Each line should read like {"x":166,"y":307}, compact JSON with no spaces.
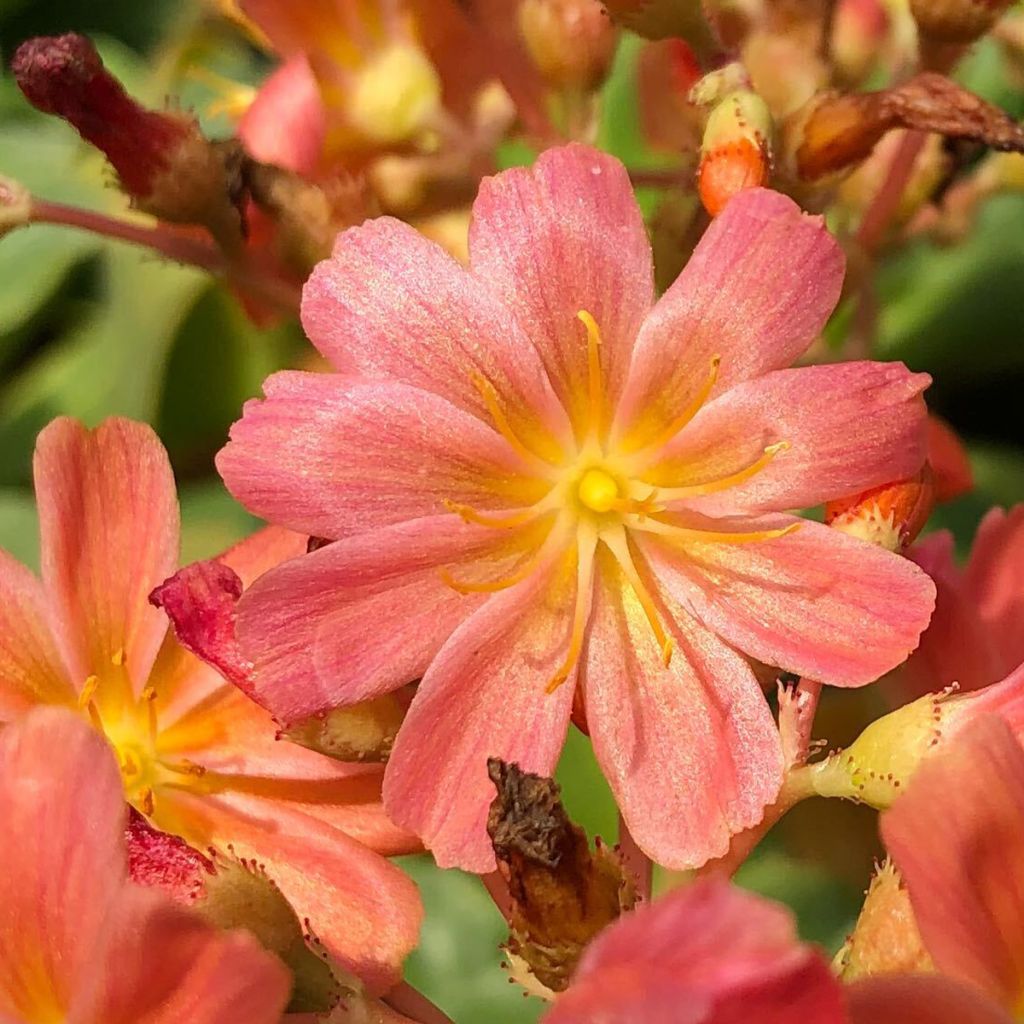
{"x":586,"y":545}
{"x":146,"y":802}
{"x":117,"y":658}
{"x":666,"y":435}
{"x":618,"y":544}
{"x":185,"y":767}
{"x":89,"y":688}
{"x":688,"y":533}
{"x":149,"y":697}
{"x":595,"y":383}
{"x":495,"y":585}
{"x":493,"y":403}
{"x":725,"y":482}
{"x":499,"y":520}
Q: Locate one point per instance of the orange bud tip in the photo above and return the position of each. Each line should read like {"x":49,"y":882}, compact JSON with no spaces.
{"x":729,"y":169}
{"x":890,"y":516}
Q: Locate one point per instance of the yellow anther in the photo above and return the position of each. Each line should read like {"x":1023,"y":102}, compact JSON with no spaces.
{"x":595,"y":381}
{"x":493,"y":403}
{"x":129,"y":766}
{"x":498,"y":520}
{"x":598,"y":491}
{"x":697,"y":536}
{"x":146,"y":802}
{"x":89,"y":688}
{"x":724,"y":482}
{"x":117,"y":658}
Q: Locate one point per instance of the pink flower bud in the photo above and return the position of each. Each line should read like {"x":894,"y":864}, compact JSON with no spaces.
{"x":572,"y":42}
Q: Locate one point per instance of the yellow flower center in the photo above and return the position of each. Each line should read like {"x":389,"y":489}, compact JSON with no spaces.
{"x":599,"y":495}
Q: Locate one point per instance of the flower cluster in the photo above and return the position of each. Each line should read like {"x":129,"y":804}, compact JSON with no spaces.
{"x":553,"y":466}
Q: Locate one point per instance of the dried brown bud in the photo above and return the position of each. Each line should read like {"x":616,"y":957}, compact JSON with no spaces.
{"x":885,"y":939}
{"x":362,"y":732}
{"x":956,"y":21}
{"x":665,"y":19}
{"x":162,"y":159}
{"x":834,"y":131}
{"x":562,"y":893}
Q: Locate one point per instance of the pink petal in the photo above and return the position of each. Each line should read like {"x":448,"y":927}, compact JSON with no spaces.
{"x":366,"y":912}
{"x":365,"y":615}
{"x":563,"y":236}
{"x":389,"y":304}
{"x":956,"y":647}
{"x":815,"y":601}
{"x":335,"y":456}
{"x":108,"y":520}
{"x":992,"y":582}
{"x":849,"y":427}
{"x":757,"y":291}
{"x":234,"y":738}
{"x":920,"y":999}
{"x":286,"y":122}
{"x":708,"y":952}
{"x":691,"y":752}
{"x":957,"y":836}
{"x":62,"y":860}
{"x":165,"y":965}
{"x":483,"y":696}
{"x":30,"y":667}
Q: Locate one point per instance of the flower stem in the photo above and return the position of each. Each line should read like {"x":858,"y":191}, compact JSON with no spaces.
{"x":636,"y":862}
{"x":886,"y":202}
{"x":413,"y":1004}
{"x":174,"y":246}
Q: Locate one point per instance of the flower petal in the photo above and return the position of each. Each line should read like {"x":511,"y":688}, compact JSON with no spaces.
{"x":62,"y":863}
{"x":391,"y":304}
{"x":108,"y":518}
{"x":814,"y":601}
{"x":563,"y":236}
{"x":718,"y":954}
{"x":483,"y":696}
{"x":848,"y":427}
{"x":691,"y":751}
{"x":756,"y":292}
{"x":364,"y":615}
{"x":957,"y":836}
{"x":366,"y":912}
{"x":335,"y":457}
{"x":163,"y":964}
{"x":992,"y":582}
{"x":286,"y":123}
{"x":920,"y":999}
{"x":30,"y":667}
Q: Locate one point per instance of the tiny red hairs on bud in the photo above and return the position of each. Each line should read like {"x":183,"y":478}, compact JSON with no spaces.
{"x":64,"y":75}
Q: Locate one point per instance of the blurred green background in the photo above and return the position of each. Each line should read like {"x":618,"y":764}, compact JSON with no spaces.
{"x":91,"y":328}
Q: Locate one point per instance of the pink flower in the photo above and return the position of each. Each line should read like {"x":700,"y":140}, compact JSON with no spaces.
{"x":977,"y":633}
{"x":705,"y":954}
{"x":197,"y":756}
{"x":78,"y":941}
{"x":535,"y":479}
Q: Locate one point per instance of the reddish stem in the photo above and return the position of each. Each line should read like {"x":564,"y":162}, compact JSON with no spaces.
{"x":635,"y":861}
{"x":886,"y":202}
{"x":413,"y":1004}
{"x":180,"y":248}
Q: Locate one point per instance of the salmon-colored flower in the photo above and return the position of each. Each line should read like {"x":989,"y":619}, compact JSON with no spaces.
{"x":197,"y":756}
{"x":535,"y":479}
{"x":78,"y":941}
{"x":706,"y":954}
{"x":977,"y":634}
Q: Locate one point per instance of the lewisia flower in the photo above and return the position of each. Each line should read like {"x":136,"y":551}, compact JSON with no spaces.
{"x":705,"y":954}
{"x":538,"y":483}
{"x":78,"y":941}
{"x":977,"y":634}
{"x":197,"y":757}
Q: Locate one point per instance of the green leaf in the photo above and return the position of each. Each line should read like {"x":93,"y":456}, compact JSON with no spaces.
{"x":19,"y":529}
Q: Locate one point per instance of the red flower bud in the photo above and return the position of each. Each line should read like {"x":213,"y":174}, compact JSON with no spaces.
{"x":736,"y":150}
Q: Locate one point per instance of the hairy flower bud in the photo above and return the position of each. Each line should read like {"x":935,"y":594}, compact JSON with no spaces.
{"x":886,"y":939}
{"x":736,"y":149}
{"x":162,"y":159}
{"x":572,"y":42}
{"x":890,"y":516}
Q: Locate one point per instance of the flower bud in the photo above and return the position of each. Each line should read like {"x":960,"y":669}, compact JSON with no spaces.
{"x":162,"y":159}
{"x":362,"y":732}
{"x":886,"y":939}
{"x":665,"y":19}
{"x":572,"y":42}
{"x":736,"y":149}
{"x":890,"y":516}
{"x":859,"y":31}
{"x":15,"y":205}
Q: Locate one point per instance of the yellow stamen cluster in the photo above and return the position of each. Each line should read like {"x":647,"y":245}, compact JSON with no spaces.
{"x":599,"y":495}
